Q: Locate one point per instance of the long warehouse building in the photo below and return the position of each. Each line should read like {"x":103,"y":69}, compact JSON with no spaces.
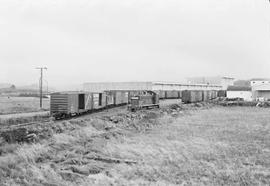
{"x":154,"y":86}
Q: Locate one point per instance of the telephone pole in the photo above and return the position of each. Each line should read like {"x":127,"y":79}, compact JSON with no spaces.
{"x":40,"y":83}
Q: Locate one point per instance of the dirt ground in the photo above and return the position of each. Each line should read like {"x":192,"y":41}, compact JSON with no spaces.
{"x":198,"y":144}
{"x":11,"y":105}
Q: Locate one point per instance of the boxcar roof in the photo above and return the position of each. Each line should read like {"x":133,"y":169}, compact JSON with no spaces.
{"x":76,"y":92}
{"x":68,"y":92}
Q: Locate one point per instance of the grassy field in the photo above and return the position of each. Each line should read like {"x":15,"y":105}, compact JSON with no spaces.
{"x":221,"y":146}
{"x":206,"y":146}
{"x":12,"y":105}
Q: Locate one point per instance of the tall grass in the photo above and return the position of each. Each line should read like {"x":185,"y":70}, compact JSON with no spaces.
{"x":24,"y":119}
{"x":217,"y":146}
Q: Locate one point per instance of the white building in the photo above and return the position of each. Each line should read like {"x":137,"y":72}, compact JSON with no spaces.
{"x":239,"y":92}
{"x":216,"y":80}
{"x":259,"y":81}
{"x":155,"y":86}
{"x":261,"y":91}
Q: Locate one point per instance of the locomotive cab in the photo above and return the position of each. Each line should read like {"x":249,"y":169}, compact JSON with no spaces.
{"x":144,"y":99}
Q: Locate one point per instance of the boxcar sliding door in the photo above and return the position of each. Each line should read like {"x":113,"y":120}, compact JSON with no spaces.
{"x":81,"y":101}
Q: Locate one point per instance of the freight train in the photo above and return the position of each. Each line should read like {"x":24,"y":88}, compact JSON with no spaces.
{"x":68,"y":104}
{"x":194,"y":96}
{"x":191,"y":96}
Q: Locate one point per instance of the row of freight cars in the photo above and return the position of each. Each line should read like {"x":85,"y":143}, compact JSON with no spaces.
{"x":198,"y":96}
{"x":191,"y":96}
{"x":66,"y":104}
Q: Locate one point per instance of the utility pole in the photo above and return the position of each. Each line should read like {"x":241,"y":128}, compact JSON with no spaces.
{"x":40,"y":83}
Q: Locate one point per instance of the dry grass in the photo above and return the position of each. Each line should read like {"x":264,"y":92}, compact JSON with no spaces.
{"x":24,"y":118}
{"x":10,"y":105}
{"x":216,"y":146}
{"x":221,"y":146}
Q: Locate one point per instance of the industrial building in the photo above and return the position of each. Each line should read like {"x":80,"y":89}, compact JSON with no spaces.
{"x":154,"y":86}
{"x":261,"y":92}
{"x":216,"y":80}
{"x":259,"y":81}
{"x":260,"y":88}
{"x":239,"y":92}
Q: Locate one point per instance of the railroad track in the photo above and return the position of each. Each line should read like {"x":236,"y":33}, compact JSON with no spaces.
{"x":5,"y":127}
{"x":15,"y":126}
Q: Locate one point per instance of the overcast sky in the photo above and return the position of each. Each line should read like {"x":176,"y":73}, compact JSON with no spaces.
{"x":133,"y":40}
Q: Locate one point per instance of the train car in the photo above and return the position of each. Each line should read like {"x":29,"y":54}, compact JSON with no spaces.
{"x":110,"y":99}
{"x":124,"y":98}
{"x":172,"y":94}
{"x":99,"y":100}
{"x":180,"y":94}
{"x":119,"y":97}
{"x":213,"y":94}
{"x":66,"y":104}
{"x":222,"y":93}
{"x":87,"y":101}
{"x":206,"y":95}
{"x":162,"y":94}
{"x":192,"y":96}
{"x":145,"y":99}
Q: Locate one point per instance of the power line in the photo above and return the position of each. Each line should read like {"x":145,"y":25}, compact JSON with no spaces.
{"x":40,"y":84}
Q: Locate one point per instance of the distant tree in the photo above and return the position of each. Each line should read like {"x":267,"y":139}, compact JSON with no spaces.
{"x":12,"y":87}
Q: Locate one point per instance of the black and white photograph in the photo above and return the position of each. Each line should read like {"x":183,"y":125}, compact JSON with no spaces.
{"x":134,"y":92}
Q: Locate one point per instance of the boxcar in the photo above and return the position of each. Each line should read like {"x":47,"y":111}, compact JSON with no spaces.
{"x":99,"y":100}
{"x":180,"y":94}
{"x":88,"y":101}
{"x":222,"y":93}
{"x":109,"y":99}
{"x":171,"y":94}
{"x":206,"y":95}
{"x":192,"y":96}
{"x":161,"y":94}
{"x":124,"y":98}
{"x":119,"y":97}
{"x":64,"y":104}
{"x":213,"y":94}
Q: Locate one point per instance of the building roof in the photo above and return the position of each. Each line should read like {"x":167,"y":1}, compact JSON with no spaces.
{"x":186,"y":84}
{"x":238,"y":88}
{"x":213,"y":80}
{"x":260,"y":79}
{"x":69,"y":92}
{"x":228,"y":78}
{"x":263,"y":87}
{"x":102,"y":86}
{"x":97,"y":87}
